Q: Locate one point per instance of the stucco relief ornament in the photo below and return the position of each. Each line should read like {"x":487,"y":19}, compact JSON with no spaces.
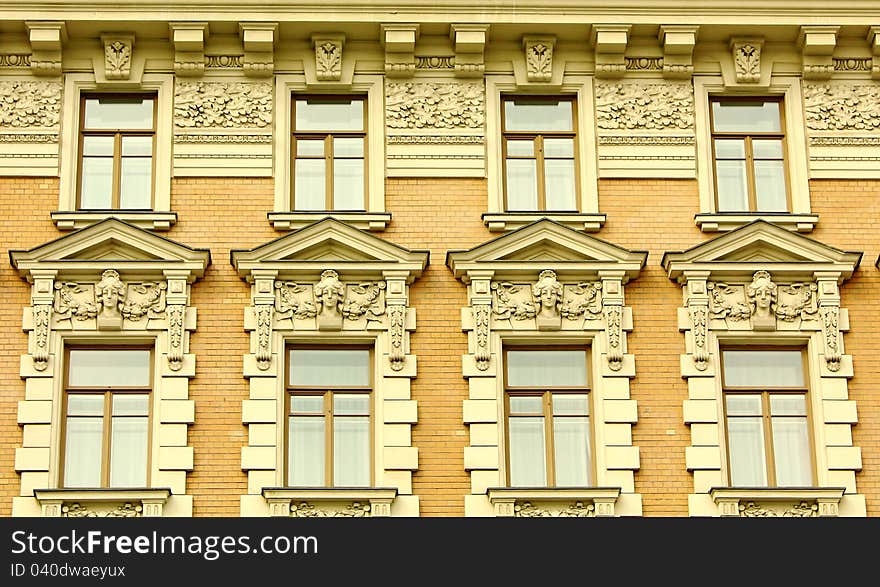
{"x":222,"y":105}
{"x":74,"y":300}
{"x":435,"y":105}
{"x":329,"y":295}
{"x":364,"y":299}
{"x":109,"y":293}
{"x":548,"y":299}
{"x":699,"y":321}
{"x":614,"y":330}
{"x":328,"y":60}
{"x":144,"y":299}
{"x":42,"y":319}
{"x":747,"y":62}
{"x":831,"y":334}
{"x":582,"y":300}
{"x":293,"y":300}
{"x":482,"y":354}
{"x":640,"y":106}
{"x":174,"y":314}
{"x":762,"y":296}
{"x":263,"y":355}
{"x":29,"y":104}
{"x":396,"y":325}
{"x":526,"y":509}
{"x":117,"y":60}
{"x":800,"y":302}
{"x":836,"y":107}
{"x":539,"y":61}
{"x":512,"y":301}
{"x":578,"y":509}
{"x":727,"y":302}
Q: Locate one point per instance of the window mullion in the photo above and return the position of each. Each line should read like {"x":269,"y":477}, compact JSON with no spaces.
{"x":768,"y":439}
{"x":548,"y":439}
{"x":105,"y":445}
{"x":539,"y":171}
{"x":328,"y":170}
{"x":116,"y":189}
{"x":328,"y":439}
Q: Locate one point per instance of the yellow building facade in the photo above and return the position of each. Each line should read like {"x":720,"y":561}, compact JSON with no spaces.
{"x":543,"y":259}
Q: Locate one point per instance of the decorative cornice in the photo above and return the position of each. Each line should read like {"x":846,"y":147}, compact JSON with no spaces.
{"x":222,"y":105}
{"x":825,"y":141}
{"x":435,"y":61}
{"x":189,"y":39}
{"x":645,"y":140}
{"x":219,"y":138}
{"x":853,"y":64}
{"x":435,"y":139}
{"x":644,"y":63}
{"x":15,"y":60}
{"x":28,"y":138}
{"x":637,"y":106}
{"x":434,"y":105}
{"x":223,"y":61}
{"x":258,"y":40}
{"x":399,"y":41}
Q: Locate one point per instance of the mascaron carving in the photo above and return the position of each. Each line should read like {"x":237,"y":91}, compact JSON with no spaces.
{"x":328,"y":60}
{"x":747,"y":62}
{"x":222,"y":105}
{"x":763,"y":301}
{"x":547,"y":300}
{"x":434,"y":105}
{"x":833,"y":107}
{"x":29,"y":104}
{"x":636,"y":106}
{"x":117,"y":58}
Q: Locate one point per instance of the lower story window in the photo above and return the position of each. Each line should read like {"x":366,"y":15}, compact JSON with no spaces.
{"x":329,"y":424}
{"x":107,"y":418}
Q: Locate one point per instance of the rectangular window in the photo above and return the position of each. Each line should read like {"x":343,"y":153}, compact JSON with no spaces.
{"x":547,"y":405}
{"x":107,"y":418}
{"x":766,"y":412}
{"x":117,"y":139}
{"x":748,"y":150}
{"x":329,"y":153}
{"x":329,"y":424}
{"x":539,"y":153}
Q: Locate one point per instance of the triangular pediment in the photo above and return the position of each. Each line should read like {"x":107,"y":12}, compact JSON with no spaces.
{"x":111,"y":243}
{"x":329,"y":244}
{"x":761,"y":245}
{"x":545,"y":244}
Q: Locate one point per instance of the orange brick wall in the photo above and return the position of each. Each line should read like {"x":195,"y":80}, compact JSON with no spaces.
{"x":443,"y":214}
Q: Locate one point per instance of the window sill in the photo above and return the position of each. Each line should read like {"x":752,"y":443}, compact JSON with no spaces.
{"x":372,"y":221}
{"x":788,"y":502}
{"x":505,"y":221}
{"x":149,"y":219}
{"x":330,"y":502}
{"x":726,"y":221}
{"x":102,"y":503}
{"x":547,"y":502}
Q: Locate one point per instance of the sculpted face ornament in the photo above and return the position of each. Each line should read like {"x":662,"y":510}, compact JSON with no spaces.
{"x":548,"y":295}
{"x":762,"y":294}
{"x":109,"y":294}
{"x":329,"y":293}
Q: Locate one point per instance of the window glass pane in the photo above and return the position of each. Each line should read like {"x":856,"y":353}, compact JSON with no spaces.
{"x":745,"y":437}
{"x":82,"y":452}
{"x":522,"y":184}
{"x":111,"y":367}
{"x":743,"y":405}
{"x":523,"y":148}
{"x":571,"y":404}
{"x":310,"y":147}
{"x":770,"y":186}
{"x":310,"y":183}
{"x":788,"y":405}
{"x":351,"y":404}
{"x":526,"y":404}
{"x":137,"y":146}
{"x":744,"y":117}
{"x":559,"y":148}
{"x":97,"y":182}
{"x":348,"y":147}
{"x":112,"y":112}
{"x":351,"y":452}
{"x":547,"y":368}
{"x":763,"y":368}
{"x":329,"y":368}
{"x":329,"y":113}
{"x":530,"y":114}
{"x":559,"y":187}
{"x":348,"y":184}
{"x":730,"y":149}
{"x":309,"y":404}
{"x":305,"y":453}
{"x":571,"y":441}
{"x":98,"y":146}
{"x":791,"y":452}
{"x":85,"y":405}
{"x":128,"y":452}
{"x":136,"y":183}
{"x":767,"y":149}
{"x":733,"y":193}
{"x":527,"y":464}
{"x":131,"y":405}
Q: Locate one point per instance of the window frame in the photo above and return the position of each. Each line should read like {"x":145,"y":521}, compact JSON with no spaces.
{"x":327,"y":413}
{"x":747,"y":138}
{"x":118,"y":134}
{"x":107,"y":416}
{"x":538,"y":145}
{"x":328,"y":158}
{"x":766,"y":417}
{"x":547,"y":405}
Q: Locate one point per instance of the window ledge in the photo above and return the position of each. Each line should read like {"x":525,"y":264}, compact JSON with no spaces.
{"x":149,"y":219}
{"x":102,"y":503}
{"x":373,"y":221}
{"x":505,"y":221}
{"x":776,"y":502}
{"x":330,"y":502}
{"x":726,"y":221}
{"x":550,"y":502}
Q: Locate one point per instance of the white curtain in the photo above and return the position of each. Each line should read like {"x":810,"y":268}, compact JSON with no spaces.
{"x":527,"y":465}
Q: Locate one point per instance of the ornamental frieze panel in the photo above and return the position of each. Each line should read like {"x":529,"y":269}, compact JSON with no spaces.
{"x":108,"y":303}
{"x":28,"y":104}
{"x":644,"y":106}
{"x":222,"y":105}
{"x":429,"y":105}
{"x":578,"y":509}
{"x":802,"y":509}
{"x":842,"y":107}
{"x":125,"y":510}
{"x":329,"y":304}
{"x":547,"y":304}
{"x":763,"y":304}
{"x":351,"y":510}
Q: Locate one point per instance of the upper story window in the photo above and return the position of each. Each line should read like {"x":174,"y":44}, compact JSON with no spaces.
{"x":107,"y":418}
{"x":767,"y":417}
{"x":329,"y":432}
{"x":539,"y":153}
{"x":117,"y":142}
{"x":748,"y":149}
{"x":329,"y":152}
{"x":548,"y":418}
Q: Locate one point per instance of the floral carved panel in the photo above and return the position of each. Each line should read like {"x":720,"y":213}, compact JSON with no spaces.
{"x":222,"y":105}
{"x":28,"y":104}
{"x":641,"y":106}
{"x":842,"y":107}
{"x":429,"y":105}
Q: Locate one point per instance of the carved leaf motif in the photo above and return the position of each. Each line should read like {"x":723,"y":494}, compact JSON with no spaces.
{"x":144,"y":299}
{"x":699,"y":320}
{"x":264,"y":335}
{"x":117,"y":58}
{"x":328,"y":58}
{"x":364,"y":299}
{"x":42,"y":319}
{"x":797,"y":300}
{"x":482,"y":354}
{"x":29,"y":104}
{"x":833,"y":107}
{"x":831,"y":331}
{"x":74,"y":300}
{"x":512,"y":301}
{"x":747,"y":62}
{"x":434,"y":105}
{"x":583,"y":299}
{"x":174,"y":315}
{"x":628,"y":106}
{"x":222,"y":105}
{"x":614,"y":332}
{"x":539,"y":60}
{"x":724,"y":302}
{"x":294,"y":300}
{"x":396,"y":332}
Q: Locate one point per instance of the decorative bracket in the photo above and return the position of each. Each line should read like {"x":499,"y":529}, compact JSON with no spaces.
{"x":612,"y":305}
{"x":117,"y":55}
{"x":396,"y":302}
{"x":469,"y":41}
{"x":42,"y":299}
{"x":328,"y":56}
{"x":258,"y":39}
{"x":399,"y":41}
{"x":539,"y":57}
{"x":874,"y":41}
{"x":610,"y":43}
{"x":46,"y":38}
{"x":747,"y":59}
{"x":188,"y":39}
{"x":264,"y":308}
{"x":481,"y":306}
{"x":829,"y":310}
{"x":678,"y":50}
{"x":817,"y":44}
